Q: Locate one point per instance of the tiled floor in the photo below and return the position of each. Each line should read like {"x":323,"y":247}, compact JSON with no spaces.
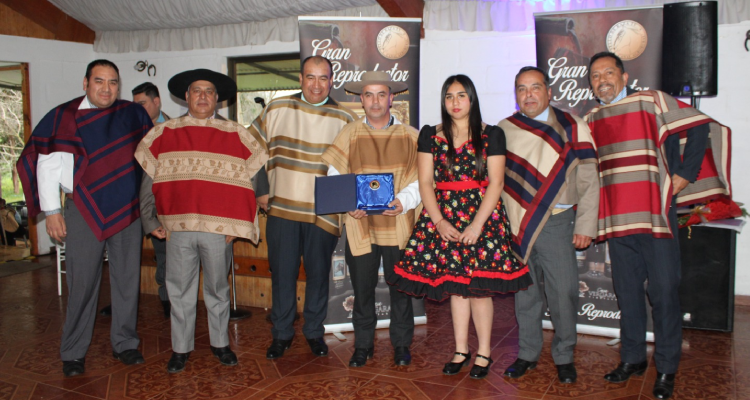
{"x":715,"y":365}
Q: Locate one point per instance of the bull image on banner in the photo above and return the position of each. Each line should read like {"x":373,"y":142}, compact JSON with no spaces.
{"x":355,"y":46}
{"x":564,"y":44}
{"x":566,"y":41}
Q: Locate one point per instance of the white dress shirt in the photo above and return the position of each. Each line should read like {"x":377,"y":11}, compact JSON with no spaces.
{"x":54,"y":171}
{"x":409,"y":196}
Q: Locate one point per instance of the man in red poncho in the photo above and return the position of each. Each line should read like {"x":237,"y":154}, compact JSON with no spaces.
{"x":645,"y":173}
{"x":198,"y":170}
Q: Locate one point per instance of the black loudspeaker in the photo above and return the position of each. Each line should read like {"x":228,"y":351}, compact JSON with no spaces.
{"x":707,"y":286}
{"x":690,"y":59}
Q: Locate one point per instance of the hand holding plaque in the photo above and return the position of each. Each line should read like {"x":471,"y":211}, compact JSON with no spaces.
{"x":371,"y":193}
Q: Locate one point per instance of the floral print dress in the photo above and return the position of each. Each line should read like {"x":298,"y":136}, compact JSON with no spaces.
{"x":437,"y":268}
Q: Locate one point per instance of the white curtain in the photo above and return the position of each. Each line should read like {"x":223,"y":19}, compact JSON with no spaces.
{"x":217,"y":36}
{"x":518,"y":15}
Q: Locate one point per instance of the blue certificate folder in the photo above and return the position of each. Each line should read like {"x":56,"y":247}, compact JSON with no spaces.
{"x":349,"y":192}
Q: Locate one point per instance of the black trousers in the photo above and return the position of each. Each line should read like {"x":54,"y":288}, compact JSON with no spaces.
{"x":364,"y":275}
{"x":287,"y":242}
{"x":635,"y":259}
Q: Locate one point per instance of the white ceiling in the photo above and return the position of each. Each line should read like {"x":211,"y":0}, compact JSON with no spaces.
{"x":135,"y":15}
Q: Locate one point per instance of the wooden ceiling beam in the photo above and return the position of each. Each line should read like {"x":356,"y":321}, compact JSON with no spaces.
{"x":51,"y":18}
{"x":404,"y":9}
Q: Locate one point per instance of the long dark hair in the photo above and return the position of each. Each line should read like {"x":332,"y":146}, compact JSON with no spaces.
{"x":475,"y":122}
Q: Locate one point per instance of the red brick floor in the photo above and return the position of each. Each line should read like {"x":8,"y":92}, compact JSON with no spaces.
{"x":715,"y":365}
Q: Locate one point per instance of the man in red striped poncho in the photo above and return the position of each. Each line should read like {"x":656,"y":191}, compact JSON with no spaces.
{"x":646,"y":172}
{"x":198,"y":170}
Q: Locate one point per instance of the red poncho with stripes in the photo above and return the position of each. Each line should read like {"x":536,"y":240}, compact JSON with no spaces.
{"x":636,"y":184}
{"x":202,"y":171}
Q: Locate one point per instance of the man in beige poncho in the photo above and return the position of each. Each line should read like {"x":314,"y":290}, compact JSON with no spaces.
{"x":378,"y":143}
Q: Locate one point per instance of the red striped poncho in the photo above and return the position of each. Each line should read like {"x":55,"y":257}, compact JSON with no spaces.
{"x":202,"y":170}
{"x":636,"y":184}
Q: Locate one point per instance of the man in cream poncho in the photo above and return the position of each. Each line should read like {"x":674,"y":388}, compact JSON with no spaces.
{"x":199,"y":168}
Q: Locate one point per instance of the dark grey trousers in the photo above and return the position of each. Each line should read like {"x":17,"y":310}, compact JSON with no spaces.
{"x":287,"y":242}
{"x":84,"y":255}
{"x":635,"y":259}
{"x":552,"y":259}
{"x":364,"y":275}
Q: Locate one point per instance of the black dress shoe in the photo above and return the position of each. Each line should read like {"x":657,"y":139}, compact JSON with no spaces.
{"x":519,"y":368}
{"x":664,"y":385}
{"x":318,"y":346}
{"x":106,"y":311}
{"x":277,"y":348}
{"x":177,"y":362}
{"x":167,"y":308}
{"x":225,"y":355}
{"x":566,"y":373}
{"x":129,"y":357}
{"x":452,"y":368}
{"x":402,"y":355}
{"x":74,"y":367}
{"x":479,"y":372}
{"x":360,"y":357}
{"x":623,"y":372}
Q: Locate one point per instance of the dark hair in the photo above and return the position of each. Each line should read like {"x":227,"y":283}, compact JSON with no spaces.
{"x":475,"y":122}
{"x":618,"y":61}
{"x":102,"y":63}
{"x":530,"y":68}
{"x":147,"y":88}
{"x":317,"y":59}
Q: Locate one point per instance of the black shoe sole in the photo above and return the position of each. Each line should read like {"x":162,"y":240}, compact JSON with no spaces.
{"x":281,"y":354}
{"x":73,"y":373}
{"x":636,"y":373}
{"x":530,"y":368}
{"x":175,"y":371}
{"x":120,"y":359}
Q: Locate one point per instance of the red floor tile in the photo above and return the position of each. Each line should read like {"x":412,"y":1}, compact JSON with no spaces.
{"x":715,"y":365}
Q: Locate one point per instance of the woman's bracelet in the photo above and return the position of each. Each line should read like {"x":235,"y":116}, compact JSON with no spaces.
{"x":438,"y":223}
{"x":472,"y":229}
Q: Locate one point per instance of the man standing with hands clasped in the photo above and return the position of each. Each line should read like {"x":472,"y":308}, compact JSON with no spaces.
{"x":198,"y":169}
{"x":552,"y":197}
{"x":378,"y":143}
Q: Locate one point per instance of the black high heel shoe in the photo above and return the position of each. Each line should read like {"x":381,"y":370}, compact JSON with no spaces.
{"x":478,"y":372}
{"x":452,"y":368}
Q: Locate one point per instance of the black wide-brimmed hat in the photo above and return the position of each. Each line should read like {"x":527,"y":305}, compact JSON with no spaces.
{"x":226,"y":87}
{"x":375,"y":78}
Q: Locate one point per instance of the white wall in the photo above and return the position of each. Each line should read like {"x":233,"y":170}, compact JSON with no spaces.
{"x":56,"y":69}
{"x":732,"y":108}
{"x":490,"y":59}
{"x":169,"y":64}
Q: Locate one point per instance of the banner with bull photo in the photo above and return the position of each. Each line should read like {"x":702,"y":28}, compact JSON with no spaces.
{"x":565,"y":43}
{"x":355,"y":46}
{"x":358,"y":45}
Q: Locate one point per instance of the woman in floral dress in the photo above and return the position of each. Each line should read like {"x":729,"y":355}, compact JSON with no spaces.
{"x":460,"y":244}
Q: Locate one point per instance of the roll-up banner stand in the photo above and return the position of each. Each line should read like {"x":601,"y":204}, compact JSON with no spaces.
{"x":355,"y":46}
